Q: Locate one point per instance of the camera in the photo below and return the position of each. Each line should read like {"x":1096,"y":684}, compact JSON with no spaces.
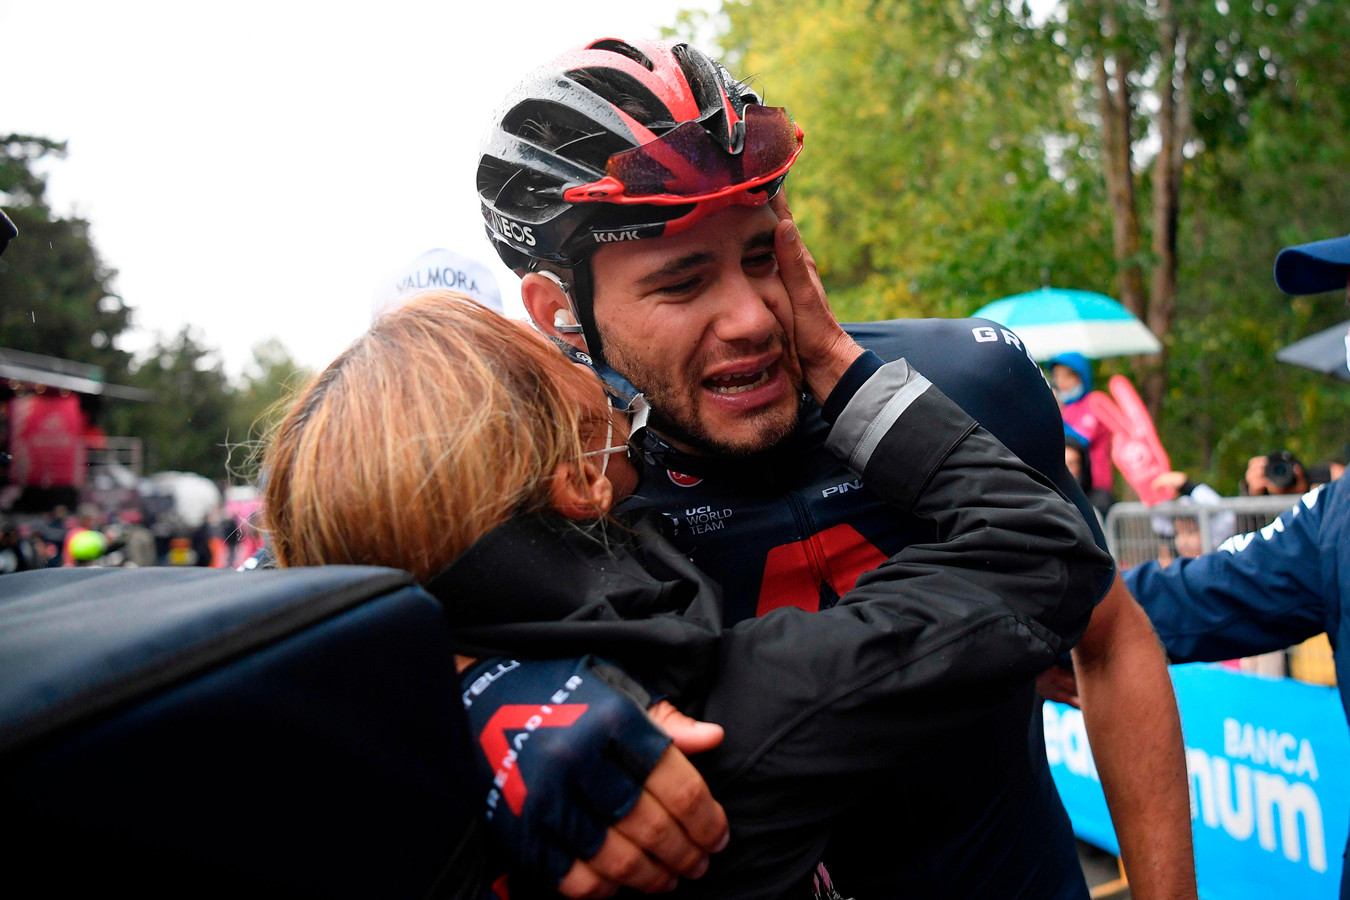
{"x":1281,"y":469}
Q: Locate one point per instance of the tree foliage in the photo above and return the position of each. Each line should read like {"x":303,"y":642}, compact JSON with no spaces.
{"x":925,"y":187}
{"x":187,"y":427}
{"x":56,"y":295}
{"x":1271,"y":168}
{"x":958,"y":151}
{"x":271,"y":379}
{"x":57,"y":299}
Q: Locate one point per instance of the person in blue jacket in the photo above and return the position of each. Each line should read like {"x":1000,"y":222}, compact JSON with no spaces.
{"x":1278,"y":586}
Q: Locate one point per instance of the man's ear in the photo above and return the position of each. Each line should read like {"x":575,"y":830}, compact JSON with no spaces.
{"x":548,"y":307}
{"x":581,"y":499}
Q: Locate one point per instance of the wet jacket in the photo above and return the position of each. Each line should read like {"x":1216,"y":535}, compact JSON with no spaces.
{"x":796,"y":527}
{"x":832,"y":715}
{"x":1260,"y":592}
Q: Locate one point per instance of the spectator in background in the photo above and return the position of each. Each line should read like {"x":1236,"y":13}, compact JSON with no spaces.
{"x":1277,"y":473}
{"x":1271,"y":475}
{"x":1079,"y":464}
{"x":87,"y":547}
{"x":1325,"y":472}
{"x":52,"y":534}
{"x":17,"y":552}
{"x":1071,"y":377}
{"x":88,"y":517}
{"x":138,"y":541}
{"x":1183,"y":535}
{"x":1278,"y":586}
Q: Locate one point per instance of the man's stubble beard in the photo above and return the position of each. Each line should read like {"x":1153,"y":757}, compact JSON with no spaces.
{"x":674,"y":412}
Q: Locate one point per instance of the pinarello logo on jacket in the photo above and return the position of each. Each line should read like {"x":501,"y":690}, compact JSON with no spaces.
{"x":682,"y":480}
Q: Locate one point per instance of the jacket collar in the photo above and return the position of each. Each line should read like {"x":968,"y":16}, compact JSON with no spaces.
{"x":542,"y":586}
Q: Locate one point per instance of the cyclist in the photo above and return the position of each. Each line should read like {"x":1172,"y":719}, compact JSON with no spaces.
{"x":637,"y":189}
{"x":494,"y":458}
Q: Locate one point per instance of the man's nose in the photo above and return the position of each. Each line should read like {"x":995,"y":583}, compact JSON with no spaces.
{"x":743,"y":314}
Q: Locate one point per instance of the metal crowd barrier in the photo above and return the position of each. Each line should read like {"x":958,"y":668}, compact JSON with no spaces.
{"x":1136,"y":533}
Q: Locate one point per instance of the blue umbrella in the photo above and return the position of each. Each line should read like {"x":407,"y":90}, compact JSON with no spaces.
{"x":1052,"y":321}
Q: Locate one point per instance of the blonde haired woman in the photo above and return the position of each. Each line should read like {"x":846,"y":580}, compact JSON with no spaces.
{"x":462,"y":447}
{"x":438,"y":425}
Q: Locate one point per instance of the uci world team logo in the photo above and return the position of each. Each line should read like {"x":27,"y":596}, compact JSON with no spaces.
{"x":685,"y":481}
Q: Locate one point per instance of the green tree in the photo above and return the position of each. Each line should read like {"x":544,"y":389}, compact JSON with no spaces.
{"x":1272,"y":110}
{"x":56,"y":295}
{"x":271,"y":377}
{"x":1171,"y":89}
{"x":187,"y":428}
{"x":56,"y":298}
{"x":941,"y":168}
{"x":1159,"y":151}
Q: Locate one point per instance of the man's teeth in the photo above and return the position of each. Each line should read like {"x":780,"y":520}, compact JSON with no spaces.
{"x":735,"y":384}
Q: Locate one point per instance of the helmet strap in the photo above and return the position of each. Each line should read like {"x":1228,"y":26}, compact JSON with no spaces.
{"x":578,"y":288}
{"x":583,"y":305}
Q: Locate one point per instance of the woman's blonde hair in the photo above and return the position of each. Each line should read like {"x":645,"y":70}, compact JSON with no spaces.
{"x":437,"y":425}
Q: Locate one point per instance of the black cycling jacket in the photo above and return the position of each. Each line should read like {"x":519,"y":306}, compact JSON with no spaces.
{"x":796,"y":527}
{"x":834,"y":715}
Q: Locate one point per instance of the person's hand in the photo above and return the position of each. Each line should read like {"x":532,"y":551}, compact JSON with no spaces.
{"x":673,"y":828}
{"x":1256,"y":477}
{"x":1169,"y":483}
{"x":689,"y":734}
{"x":584,"y":787}
{"x":1058,"y":684}
{"x":824,"y":349}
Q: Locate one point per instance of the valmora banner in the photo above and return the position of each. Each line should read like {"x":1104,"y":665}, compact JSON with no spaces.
{"x":47,"y":441}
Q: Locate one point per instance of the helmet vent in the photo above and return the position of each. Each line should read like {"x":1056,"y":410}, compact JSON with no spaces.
{"x":528,"y":195}
{"x":701,"y":75}
{"x":564,"y":131}
{"x":625,"y":49}
{"x":628,"y":94}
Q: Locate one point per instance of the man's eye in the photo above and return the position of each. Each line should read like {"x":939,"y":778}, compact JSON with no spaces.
{"x":679,"y":288}
{"x":761,"y":262}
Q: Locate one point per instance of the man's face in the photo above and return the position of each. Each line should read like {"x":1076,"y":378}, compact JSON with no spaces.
{"x":1073,"y":461}
{"x":1188,"y":538}
{"x":700,"y":322}
{"x":1066,"y":379}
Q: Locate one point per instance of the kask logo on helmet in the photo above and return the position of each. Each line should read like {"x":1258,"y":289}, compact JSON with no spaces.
{"x":515,"y":231}
{"x":606,"y":237}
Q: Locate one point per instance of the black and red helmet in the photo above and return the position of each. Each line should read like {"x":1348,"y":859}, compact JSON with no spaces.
{"x":622,"y":140}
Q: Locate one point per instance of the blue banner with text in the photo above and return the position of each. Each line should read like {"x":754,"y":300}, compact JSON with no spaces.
{"x":1269,"y":763}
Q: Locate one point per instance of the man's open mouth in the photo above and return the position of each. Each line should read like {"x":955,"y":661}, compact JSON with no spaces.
{"x":738,"y":383}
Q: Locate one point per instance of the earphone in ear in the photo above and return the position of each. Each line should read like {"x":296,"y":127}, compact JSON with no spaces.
{"x":564,"y":322}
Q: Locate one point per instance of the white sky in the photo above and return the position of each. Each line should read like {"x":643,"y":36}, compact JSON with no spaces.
{"x":256,"y":168}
